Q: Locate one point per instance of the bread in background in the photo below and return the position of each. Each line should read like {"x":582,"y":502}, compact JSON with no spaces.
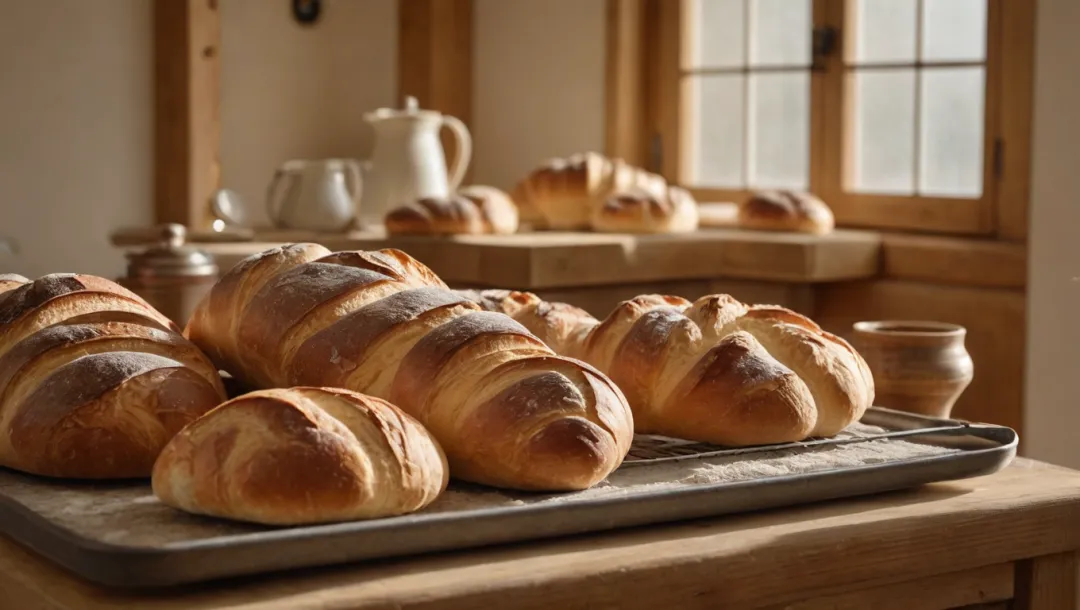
{"x":93,"y":381}
{"x":781,"y":210}
{"x":641,"y":211}
{"x":472,"y":210}
{"x":300,"y":456}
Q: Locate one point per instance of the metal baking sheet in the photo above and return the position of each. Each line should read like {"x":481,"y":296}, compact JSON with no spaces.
{"x":117,"y":534}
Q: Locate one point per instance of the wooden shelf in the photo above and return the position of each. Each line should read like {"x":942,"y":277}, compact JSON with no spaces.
{"x":559,"y":259}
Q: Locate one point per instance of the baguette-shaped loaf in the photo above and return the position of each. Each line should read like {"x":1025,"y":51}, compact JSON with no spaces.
{"x":93,"y":380}
{"x":505,"y":408}
{"x":714,"y":370}
{"x":301,"y":455}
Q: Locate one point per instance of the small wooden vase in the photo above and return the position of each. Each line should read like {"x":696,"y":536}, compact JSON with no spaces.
{"x":919,"y":367}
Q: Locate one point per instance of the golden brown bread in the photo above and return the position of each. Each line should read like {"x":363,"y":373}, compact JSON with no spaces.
{"x":472,"y":210}
{"x":301,"y":455}
{"x":786,"y":211}
{"x":641,"y":211}
{"x":714,"y":370}
{"x":507,"y":410}
{"x":564,"y":192}
{"x":93,"y":381}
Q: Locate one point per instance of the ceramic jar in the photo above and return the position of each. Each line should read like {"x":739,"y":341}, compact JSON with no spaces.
{"x":918,"y":366}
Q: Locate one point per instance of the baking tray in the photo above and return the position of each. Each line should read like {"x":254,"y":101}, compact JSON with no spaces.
{"x":117,"y":534}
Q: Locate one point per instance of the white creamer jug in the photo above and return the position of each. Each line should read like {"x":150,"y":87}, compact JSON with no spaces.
{"x":314,"y":195}
{"x":408,"y":161}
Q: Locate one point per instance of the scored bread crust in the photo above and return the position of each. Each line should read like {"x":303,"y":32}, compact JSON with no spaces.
{"x":713,"y":370}
{"x":93,"y":380}
{"x":371,"y":321}
{"x":780,"y":210}
{"x":300,"y":456}
{"x":472,"y":210}
{"x":641,"y":211}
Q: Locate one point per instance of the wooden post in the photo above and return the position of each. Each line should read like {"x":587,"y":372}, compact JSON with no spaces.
{"x":187,"y":36}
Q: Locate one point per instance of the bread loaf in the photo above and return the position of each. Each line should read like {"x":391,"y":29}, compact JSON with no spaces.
{"x":786,"y":211}
{"x":505,"y":408}
{"x":714,"y":370}
{"x":566,"y":191}
{"x":641,"y":211}
{"x":473,"y":210}
{"x":93,"y":380}
{"x":301,"y":455}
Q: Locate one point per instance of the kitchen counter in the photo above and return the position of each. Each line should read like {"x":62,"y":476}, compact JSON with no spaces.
{"x":545,"y":260}
{"x":976,"y":543}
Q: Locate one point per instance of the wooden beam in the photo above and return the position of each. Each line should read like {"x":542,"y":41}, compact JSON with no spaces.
{"x":1016,"y":107}
{"x":626,"y":130}
{"x":187,"y":129}
{"x":435,"y":50}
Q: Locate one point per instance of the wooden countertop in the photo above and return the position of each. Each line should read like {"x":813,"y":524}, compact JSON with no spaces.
{"x":941,"y":546}
{"x":540,"y":260}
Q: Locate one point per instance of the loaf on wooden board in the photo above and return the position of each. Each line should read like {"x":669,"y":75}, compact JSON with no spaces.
{"x":674,"y":210}
{"x":504,"y":407}
{"x":781,"y":210}
{"x":563,"y":193}
{"x":93,"y":380}
{"x":301,"y":455}
{"x":472,"y":210}
{"x":714,"y":370}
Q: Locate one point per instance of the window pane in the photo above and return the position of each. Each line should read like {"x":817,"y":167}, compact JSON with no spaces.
{"x":883,"y":142}
{"x":951,"y":134}
{"x":780,"y":32}
{"x":779,"y":116}
{"x":717,"y":29}
{"x":716,"y":130}
{"x":954,"y":30}
{"x":885,"y":30}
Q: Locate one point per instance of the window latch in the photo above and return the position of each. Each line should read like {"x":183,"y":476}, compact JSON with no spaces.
{"x":825,"y":41}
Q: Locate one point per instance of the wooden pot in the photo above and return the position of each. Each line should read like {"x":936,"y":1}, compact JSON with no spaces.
{"x":920,"y":367}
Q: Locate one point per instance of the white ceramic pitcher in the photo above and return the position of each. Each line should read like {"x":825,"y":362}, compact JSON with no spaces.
{"x":315,"y":194}
{"x":408,"y":161}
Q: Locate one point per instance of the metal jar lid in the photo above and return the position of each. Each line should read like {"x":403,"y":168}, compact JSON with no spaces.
{"x":171,"y":258}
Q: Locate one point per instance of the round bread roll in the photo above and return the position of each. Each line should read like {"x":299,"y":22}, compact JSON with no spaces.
{"x":498,"y":212}
{"x":786,"y":211}
{"x":640,"y":211}
{"x":299,"y":456}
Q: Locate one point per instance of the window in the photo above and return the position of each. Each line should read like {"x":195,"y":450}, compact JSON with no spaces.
{"x":893,"y":111}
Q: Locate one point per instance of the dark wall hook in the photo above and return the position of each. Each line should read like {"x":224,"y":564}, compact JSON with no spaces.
{"x":306,"y":11}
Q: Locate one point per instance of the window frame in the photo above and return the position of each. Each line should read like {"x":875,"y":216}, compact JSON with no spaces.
{"x":655,"y":70}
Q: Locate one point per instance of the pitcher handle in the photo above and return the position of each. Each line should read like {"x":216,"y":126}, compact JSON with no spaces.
{"x":273,"y":210}
{"x":355,"y":177}
{"x":464,"y":150}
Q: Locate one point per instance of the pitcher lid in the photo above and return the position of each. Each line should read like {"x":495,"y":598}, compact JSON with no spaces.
{"x":410,"y":109}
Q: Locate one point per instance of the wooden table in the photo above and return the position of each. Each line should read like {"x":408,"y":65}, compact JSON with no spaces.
{"x":977,"y":543}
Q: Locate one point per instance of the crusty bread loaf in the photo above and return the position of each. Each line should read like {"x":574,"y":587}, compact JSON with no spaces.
{"x":565,"y":191}
{"x":641,"y":211}
{"x":714,"y":370}
{"x":301,"y":455}
{"x":506,"y":409}
{"x":93,"y":380}
{"x":472,"y":210}
{"x":781,"y":210}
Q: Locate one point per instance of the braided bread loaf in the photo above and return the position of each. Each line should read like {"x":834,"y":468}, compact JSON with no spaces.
{"x":506,"y":409}
{"x":93,"y":380}
{"x":563,"y":193}
{"x":714,"y":370}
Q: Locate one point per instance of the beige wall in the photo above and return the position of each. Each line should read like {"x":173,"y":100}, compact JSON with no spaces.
{"x":289,"y":91}
{"x":538,"y":87}
{"x":1053,"y":396}
{"x":76,"y":112}
{"x":75,"y":131}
